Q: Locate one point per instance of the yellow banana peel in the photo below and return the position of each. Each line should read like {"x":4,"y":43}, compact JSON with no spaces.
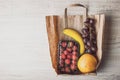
{"x":76,"y":36}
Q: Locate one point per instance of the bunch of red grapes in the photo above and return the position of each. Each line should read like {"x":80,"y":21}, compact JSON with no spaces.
{"x":89,"y":36}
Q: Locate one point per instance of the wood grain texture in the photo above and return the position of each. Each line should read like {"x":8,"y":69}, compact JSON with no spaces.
{"x":111,"y":46}
{"x":24,"y":51}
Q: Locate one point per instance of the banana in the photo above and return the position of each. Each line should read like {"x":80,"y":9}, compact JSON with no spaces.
{"x":76,"y":36}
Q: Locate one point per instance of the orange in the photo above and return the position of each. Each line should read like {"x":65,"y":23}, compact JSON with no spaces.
{"x":87,"y":63}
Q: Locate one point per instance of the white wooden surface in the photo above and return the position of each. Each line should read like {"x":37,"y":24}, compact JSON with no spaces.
{"x":24,"y":51}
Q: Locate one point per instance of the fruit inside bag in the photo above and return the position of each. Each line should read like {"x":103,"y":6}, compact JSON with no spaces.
{"x":77,"y":49}
{"x":68,"y":55}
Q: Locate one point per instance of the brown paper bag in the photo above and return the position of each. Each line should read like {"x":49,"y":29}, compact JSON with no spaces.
{"x":56,"y":23}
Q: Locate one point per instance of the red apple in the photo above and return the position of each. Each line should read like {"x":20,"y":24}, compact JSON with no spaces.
{"x":67,"y":69}
{"x":73,"y":67}
{"x":63,"y":56}
{"x":74,"y":57}
{"x":66,"y":52}
{"x":67,"y":61}
{"x":74,"y":62}
{"x":69,"y":49}
{"x":64,"y":44}
{"x":74,"y":53}
{"x":74,"y":48}
{"x":69,"y":56}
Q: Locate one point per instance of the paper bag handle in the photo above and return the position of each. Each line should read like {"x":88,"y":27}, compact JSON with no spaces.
{"x":74,"y":5}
